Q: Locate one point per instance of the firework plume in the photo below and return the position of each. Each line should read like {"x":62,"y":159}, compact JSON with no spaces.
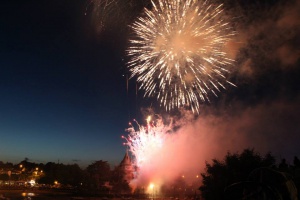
{"x":177,"y":52}
{"x":147,"y":141}
{"x":146,"y":144}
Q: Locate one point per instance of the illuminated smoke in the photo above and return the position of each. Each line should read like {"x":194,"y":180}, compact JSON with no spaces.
{"x":146,"y":142}
{"x":170,"y":154}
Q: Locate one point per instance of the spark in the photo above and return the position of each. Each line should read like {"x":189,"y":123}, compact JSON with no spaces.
{"x":101,"y":9}
{"x":108,"y":14}
{"x":147,"y":141}
{"x":177,"y":52}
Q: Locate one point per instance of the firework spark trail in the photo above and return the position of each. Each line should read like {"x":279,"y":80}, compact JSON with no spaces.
{"x":101,"y":9}
{"x":109,"y":14}
{"x":146,"y":142}
{"x":177,"y":52}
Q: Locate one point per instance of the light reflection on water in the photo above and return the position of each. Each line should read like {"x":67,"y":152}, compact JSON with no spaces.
{"x":22,"y":195}
{"x":31,"y":196}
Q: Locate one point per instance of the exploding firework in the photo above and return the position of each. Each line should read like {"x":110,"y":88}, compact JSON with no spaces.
{"x":161,"y":154}
{"x":178,"y":52}
{"x":102,"y":11}
{"x":147,"y":141}
{"x":111,"y":14}
{"x":146,"y":144}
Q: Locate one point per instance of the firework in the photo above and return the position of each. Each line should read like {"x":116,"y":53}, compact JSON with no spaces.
{"x":112,"y":14}
{"x":177,"y":52}
{"x":102,"y":11}
{"x":147,"y":141}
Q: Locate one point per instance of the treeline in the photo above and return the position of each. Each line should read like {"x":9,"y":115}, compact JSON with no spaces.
{"x":245,"y":175}
{"x":249,"y":175}
{"x":97,"y":177}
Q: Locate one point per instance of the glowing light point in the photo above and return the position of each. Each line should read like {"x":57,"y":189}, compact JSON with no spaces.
{"x":151,"y":186}
{"x":148,"y":119}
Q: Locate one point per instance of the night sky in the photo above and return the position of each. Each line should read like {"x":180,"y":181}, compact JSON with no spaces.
{"x":63,"y":94}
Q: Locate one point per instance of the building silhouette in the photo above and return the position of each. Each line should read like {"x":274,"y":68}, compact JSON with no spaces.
{"x":127,"y":168}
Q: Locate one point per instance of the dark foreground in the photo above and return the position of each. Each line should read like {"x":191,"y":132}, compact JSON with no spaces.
{"x":41,"y":194}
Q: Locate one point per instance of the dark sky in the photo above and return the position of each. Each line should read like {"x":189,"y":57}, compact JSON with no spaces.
{"x":63,"y":92}
{"x":63,"y":96}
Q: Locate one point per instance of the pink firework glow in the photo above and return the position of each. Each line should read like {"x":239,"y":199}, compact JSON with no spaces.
{"x":164,"y":154}
{"x":147,"y":141}
{"x":157,"y":154}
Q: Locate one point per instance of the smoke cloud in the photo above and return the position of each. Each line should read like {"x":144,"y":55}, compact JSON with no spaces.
{"x":269,"y":38}
{"x":267,"y":127}
{"x":261,"y":113}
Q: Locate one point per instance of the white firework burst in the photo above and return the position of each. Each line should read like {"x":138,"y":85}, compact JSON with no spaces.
{"x":178,"y":52}
{"x":147,"y":141}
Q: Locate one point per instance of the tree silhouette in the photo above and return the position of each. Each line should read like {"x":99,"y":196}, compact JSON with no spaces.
{"x":64,"y":174}
{"x":296,"y":162}
{"x":98,"y":173}
{"x":233,"y":169}
{"x":119,"y":185}
{"x":283,"y":166}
